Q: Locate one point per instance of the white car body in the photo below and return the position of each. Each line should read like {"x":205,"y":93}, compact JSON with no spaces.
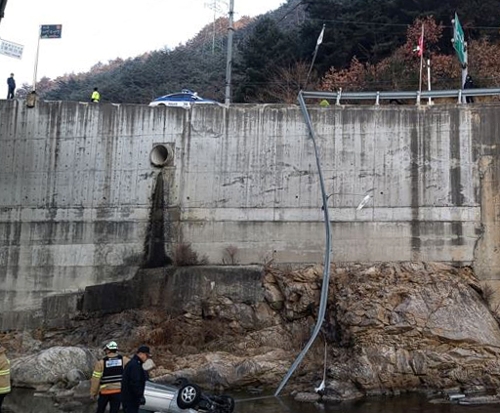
{"x":162,"y":398}
{"x":188,"y":398}
{"x":184,"y":99}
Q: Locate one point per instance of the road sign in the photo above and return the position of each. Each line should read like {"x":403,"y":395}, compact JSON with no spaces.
{"x":11,"y":49}
{"x":50,"y":31}
{"x":459,"y":40}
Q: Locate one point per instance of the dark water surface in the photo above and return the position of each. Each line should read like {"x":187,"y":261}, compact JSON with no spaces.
{"x":24,"y":401}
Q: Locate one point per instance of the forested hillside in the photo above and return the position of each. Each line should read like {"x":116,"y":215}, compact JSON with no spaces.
{"x":367,"y":45}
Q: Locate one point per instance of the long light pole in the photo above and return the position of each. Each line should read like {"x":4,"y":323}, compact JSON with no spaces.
{"x":229,"y":62}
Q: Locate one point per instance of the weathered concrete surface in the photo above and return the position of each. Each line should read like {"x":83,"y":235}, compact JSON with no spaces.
{"x":173,"y":290}
{"x":76,"y":186}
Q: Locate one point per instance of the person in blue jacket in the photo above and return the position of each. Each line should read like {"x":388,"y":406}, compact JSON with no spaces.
{"x":134,"y":380}
{"x":11,"y":83}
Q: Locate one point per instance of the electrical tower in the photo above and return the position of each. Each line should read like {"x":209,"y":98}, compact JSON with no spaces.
{"x":220,"y":8}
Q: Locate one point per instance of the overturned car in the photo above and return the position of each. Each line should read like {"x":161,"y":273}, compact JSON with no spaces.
{"x":183,"y":397}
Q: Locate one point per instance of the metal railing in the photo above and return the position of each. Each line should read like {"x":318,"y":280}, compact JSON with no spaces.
{"x":459,"y":94}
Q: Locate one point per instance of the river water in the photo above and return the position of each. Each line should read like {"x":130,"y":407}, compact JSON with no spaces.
{"x":23,"y":401}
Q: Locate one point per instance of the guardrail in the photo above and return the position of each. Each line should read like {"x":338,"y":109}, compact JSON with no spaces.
{"x":460,"y":94}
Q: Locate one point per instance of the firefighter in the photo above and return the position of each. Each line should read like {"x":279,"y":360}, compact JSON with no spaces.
{"x":106,"y":379}
{"x":4,"y":376}
{"x":96,"y":96}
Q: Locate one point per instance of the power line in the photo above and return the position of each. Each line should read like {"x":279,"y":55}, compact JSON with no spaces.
{"x":384,"y":24}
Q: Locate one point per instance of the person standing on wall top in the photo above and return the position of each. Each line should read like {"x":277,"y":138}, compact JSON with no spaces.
{"x":4,"y":376}
{"x":469,"y":84}
{"x":134,"y":381}
{"x":11,"y":83}
{"x":96,"y":96}
{"x":106,"y":379}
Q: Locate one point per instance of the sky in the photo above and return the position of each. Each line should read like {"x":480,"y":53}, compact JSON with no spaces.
{"x":101,"y":30}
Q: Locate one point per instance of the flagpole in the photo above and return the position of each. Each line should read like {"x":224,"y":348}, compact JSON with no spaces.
{"x":429,"y":79}
{"x":36,"y":58}
{"x":421,"y":44}
{"x":320,"y":40}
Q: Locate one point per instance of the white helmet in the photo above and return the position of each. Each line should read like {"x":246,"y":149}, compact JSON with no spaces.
{"x":111,"y":346}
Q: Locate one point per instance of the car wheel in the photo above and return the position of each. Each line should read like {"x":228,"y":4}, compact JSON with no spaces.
{"x":228,"y":403}
{"x":189,"y":396}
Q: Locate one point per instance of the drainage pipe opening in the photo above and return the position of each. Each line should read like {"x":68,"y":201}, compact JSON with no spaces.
{"x":160,"y":155}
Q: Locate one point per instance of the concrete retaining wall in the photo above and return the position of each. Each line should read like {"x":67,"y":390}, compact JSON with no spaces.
{"x":76,"y":188}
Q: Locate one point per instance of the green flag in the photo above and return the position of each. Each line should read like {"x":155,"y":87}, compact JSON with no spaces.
{"x":459,"y":40}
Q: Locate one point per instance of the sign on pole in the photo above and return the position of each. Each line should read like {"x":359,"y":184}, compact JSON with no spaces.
{"x":459,"y":40}
{"x":47,"y":31}
{"x":50,"y":31}
{"x":11,"y":49}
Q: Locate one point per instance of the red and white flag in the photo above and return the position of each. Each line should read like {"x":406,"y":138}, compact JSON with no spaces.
{"x":421,"y":43}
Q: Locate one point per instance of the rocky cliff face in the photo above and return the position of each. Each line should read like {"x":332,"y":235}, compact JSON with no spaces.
{"x":405,"y":327}
{"x":389,"y":328}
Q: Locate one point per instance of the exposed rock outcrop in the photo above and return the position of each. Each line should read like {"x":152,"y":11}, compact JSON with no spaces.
{"x":390,"y":328}
{"x":408,"y":327}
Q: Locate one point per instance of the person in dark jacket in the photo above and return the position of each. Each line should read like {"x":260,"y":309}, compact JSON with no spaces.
{"x":134,"y":380}
{"x":11,"y":83}
{"x":469,"y":84}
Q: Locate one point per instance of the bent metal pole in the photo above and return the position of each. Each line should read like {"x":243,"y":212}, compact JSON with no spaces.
{"x":328,"y":252}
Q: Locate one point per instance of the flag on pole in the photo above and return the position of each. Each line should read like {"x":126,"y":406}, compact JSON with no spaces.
{"x":50,"y":31}
{"x":420,"y":47}
{"x":421,"y":55}
{"x":320,"y":37}
{"x":421,"y":43}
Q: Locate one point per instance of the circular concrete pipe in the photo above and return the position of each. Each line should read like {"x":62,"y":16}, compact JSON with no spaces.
{"x":160,"y":155}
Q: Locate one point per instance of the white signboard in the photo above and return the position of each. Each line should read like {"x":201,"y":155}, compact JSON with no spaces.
{"x":11,"y":49}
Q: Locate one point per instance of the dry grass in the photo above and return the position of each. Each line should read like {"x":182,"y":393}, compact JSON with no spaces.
{"x":230,"y":252}
{"x":182,"y":337}
{"x":185,"y":256}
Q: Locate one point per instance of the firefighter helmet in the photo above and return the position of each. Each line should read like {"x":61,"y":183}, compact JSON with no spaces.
{"x":111,"y":346}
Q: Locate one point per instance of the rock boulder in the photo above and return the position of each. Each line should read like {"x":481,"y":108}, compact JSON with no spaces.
{"x":56,"y":364}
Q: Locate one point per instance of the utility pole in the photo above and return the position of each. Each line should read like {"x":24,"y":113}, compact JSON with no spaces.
{"x":229,"y":62}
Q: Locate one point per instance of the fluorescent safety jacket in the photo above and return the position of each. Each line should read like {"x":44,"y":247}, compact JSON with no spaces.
{"x":107,"y":375}
{"x":4,"y":372}
{"x":96,"y":96}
